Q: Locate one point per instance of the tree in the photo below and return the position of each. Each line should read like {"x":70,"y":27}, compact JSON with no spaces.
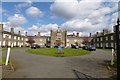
{"x":86,"y":40}
{"x":30,"y":40}
{"x":76,"y":43}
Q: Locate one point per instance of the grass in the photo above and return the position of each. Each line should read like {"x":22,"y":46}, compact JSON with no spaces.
{"x":105,"y":49}
{"x":54,"y":51}
{"x":3,"y":49}
{"x":3,"y":60}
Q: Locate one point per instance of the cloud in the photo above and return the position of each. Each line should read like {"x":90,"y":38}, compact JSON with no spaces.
{"x":44,"y":29}
{"x":85,"y":16}
{"x":22,"y":5}
{"x":78,"y":25}
{"x":70,"y":9}
{"x":16,"y":20}
{"x":33,"y":12}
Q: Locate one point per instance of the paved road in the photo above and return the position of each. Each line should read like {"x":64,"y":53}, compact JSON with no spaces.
{"x":38,"y":66}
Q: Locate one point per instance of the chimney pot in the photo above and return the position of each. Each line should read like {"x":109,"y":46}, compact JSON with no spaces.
{"x":12,"y":30}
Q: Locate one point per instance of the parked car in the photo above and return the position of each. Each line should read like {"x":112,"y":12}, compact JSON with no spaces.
{"x":74,"y":46}
{"x":89,"y":47}
{"x":34,"y":46}
{"x":42,"y":46}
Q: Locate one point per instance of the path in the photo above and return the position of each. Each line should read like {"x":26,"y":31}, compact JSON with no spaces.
{"x":38,"y":66}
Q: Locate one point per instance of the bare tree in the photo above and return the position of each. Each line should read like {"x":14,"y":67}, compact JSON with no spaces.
{"x":30,"y":40}
{"x":86,"y":40}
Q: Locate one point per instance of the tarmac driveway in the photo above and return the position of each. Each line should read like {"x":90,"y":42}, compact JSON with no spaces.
{"x":38,"y":66}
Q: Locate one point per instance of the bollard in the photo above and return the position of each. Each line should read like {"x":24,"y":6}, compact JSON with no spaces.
{"x":7,"y":58}
{"x":112,"y":58}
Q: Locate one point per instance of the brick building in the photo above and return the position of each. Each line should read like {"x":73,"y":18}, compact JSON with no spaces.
{"x":105,"y":39}
{"x":12,"y":39}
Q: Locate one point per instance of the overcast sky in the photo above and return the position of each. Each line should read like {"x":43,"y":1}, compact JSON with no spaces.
{"x":83,"y":16}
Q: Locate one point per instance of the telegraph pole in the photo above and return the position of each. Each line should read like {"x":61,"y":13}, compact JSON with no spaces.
{"x":117,"y":47}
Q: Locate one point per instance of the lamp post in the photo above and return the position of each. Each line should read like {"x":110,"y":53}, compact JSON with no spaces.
{"x":117,"y":47}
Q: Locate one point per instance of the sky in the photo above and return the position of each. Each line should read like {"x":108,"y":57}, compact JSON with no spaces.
{"x":83,"y":16}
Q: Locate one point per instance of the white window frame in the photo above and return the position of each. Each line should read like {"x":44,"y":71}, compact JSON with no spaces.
{"x":97,"y":39}
{"x":0,"y":43}
{"x":4,"y":35}
{"x":9,"y":43}
{"x":9,"y":36}
{"x":112,"y":37}
{"x":22,"y":38}
{"x":101,"y":39}
{"x":15,"y":37}
{"x":26,"y":39}
{"x":98,"y":45}
{"x":106,"y":37}
{"x":3,"y":43}
{"x":75,"y":40}
{"x":18,"y":38}
{"x":68,"y":40}
{"x":112,"y":44}
{"x":15,"y":44}
{"x":101,"y":44}
{"x":106,"y":44}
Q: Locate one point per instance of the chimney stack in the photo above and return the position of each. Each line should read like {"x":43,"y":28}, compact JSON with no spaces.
{"x":73,"y":34}
{"x":25,"y":33}
{"x":90,"y":35}
{"x":97,"y":33}
{"x":19,"y":32}
{"x":1,"y":26}
{"x":77,"y":34}
{"x":38,"y":34}
{"x":12,"y":30}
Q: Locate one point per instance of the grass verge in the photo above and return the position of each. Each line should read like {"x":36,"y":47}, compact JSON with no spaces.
{"x":54,"y":51}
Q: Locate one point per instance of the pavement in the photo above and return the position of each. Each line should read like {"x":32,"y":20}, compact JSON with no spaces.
{"x":39,"y":66}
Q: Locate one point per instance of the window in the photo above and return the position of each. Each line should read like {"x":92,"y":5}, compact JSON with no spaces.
{"x":106,"y":44}
{"x":9,"y":36}
{"x":106,"y":38}
{"x":18,"y":43}
{"x":67,"y":40}
{"x":0,"y":43}
{"x":94,"y":40}
{"x":18,"y":38}
{"x":22,"y":38}
{"x":22,"y":43}
{"x":14,"y":43}
{"x":14,"y":37}
{"x":101,"y":45}
{"x":111,"y":37}
{"x":4,"y":35}
{"x":97,"y":39}
{"x":9,"y":43}
{"x":26,"y":39}
{"x":101,"y":38}
{"x":112,"y":45}
{"x":3,"y":43}
{"x":97,"y":44}
{"x":75,"y":40}
{"x":68,"y":45}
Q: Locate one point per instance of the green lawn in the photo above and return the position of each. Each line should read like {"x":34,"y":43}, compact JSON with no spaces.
{"x":2,"y":60}
{"x":3,"y":49}
{"x":53,"y":52}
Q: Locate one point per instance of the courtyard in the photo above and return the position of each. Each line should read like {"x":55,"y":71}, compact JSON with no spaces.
{"x":40,"y":66}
